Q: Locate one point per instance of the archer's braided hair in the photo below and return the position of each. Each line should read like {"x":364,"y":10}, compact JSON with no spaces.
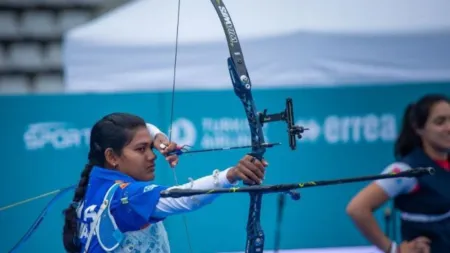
{"x":113,"y":131}
{"x":415,"y":117}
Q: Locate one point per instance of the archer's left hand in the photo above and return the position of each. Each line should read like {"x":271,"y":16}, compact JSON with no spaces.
{"x":161,"y":143}
{"x":249,"y":170}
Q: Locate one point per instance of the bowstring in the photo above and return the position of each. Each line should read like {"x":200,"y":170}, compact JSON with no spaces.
{"x":172,"y":114}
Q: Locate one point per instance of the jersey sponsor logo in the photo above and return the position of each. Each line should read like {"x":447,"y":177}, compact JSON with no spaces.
{"x":123,"y":185}
{"x":149,"y":188}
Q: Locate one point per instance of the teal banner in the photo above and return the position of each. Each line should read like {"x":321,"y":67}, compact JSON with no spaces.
{"x":352,"y":130}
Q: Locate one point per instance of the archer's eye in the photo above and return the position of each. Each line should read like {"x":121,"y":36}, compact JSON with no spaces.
{"x":440,"y":120}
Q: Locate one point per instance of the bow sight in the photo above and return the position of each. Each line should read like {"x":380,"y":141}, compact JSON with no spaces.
{"x":288,"y":116}
{"x":293,"y":130}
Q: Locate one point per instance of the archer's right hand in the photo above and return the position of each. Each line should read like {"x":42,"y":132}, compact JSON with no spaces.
{"x":419,"y":244}
{"x":249,"y":170}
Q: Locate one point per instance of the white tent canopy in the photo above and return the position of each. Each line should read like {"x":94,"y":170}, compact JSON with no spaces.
{"x":285,"y":43}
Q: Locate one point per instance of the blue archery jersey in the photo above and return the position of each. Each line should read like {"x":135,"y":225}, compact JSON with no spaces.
{"x":132,"y":205}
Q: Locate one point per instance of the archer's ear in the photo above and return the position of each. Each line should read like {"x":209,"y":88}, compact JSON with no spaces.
{"x":419,"y":131}
{"x":111,"y":157}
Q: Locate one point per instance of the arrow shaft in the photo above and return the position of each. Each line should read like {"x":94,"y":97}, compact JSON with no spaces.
{"x":183,"y":151}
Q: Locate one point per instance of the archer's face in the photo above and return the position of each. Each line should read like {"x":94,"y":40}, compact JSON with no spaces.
{"x":437,"y":128}
{"x":138,"y":159}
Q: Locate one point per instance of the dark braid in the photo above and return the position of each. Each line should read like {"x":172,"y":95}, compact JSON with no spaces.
{"x":70,"y":233}
{"x":70,"y":224}
{"x":112,"y":131}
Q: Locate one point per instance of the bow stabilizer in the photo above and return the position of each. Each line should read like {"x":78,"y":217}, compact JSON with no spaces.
{"x":242,"y":88}
{"x":266,"y":189}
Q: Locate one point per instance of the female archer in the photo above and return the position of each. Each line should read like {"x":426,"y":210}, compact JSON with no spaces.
{"x":424,"y":202}
{"x":116,"y":207}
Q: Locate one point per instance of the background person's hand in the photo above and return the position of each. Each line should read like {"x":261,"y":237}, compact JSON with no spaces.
{"x":419,"y":244}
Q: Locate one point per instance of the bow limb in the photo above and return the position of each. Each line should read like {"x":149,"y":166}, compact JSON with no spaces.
{"x":242,"y":88}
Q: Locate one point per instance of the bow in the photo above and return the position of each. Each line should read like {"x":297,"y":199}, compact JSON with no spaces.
{"x":242,"y":88}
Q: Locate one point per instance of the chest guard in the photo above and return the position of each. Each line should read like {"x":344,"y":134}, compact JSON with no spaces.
{"x":108,"y":234}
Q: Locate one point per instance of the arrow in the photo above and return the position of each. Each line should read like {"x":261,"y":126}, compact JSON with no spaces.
{"x":183,"y":149}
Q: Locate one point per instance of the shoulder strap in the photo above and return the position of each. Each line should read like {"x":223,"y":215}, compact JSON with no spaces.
{"x":108,"y":234}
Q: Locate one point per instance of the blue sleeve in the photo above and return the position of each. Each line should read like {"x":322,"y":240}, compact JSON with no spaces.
{"x":134,"y":203}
